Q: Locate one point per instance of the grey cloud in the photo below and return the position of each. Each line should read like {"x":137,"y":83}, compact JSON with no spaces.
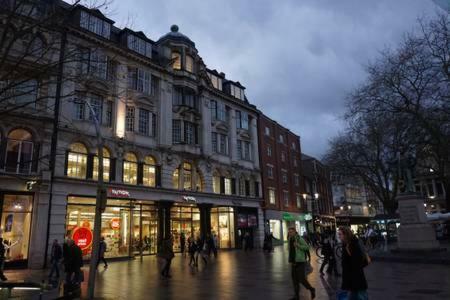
{"x":298,"y":59}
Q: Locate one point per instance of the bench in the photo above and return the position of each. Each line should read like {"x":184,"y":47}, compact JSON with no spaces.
{"x":7,"y":287}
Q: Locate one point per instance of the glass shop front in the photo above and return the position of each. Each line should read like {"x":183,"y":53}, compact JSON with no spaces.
{"x":16,"y":212}
{"x":185,"y":220}
{"x":222,"y":225}
{"x":128,"y":226}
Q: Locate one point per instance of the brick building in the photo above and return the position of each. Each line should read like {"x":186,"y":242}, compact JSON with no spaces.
{"x":318,"y":193}
{"x":280,"y":163}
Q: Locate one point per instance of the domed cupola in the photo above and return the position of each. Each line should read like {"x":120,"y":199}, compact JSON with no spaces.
{"x":176,"y":36}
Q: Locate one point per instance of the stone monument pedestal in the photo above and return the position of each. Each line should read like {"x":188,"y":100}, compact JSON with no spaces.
{"x":414,"y":233}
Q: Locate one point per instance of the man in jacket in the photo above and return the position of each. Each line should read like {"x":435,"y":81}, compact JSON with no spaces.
{"x":101,"y":253}
{"x":297,"y":257}
{"x":55,"y":257}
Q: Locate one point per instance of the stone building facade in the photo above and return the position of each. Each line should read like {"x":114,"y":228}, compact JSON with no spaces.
{"x":180,"y":148}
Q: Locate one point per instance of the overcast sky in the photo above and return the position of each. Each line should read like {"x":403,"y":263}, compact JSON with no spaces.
{"x":297,"y":58}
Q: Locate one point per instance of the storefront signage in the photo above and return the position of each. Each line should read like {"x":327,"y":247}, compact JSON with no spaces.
{"x":119,"y":193}
{"x":82,"y":236}
{"x":189,"y":199}
{"x":115,"y":223}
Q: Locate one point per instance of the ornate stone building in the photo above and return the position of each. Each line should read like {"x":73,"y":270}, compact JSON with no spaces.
{"x":180,"y":147}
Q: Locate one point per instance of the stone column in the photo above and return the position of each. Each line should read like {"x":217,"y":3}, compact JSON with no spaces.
{"x":233,"y":135}
{"x":206,"y":124}
{"x":254,"y":135}
{"x":165,"y":114}
{"x":205,"y":219}
{"x":163,"y":221}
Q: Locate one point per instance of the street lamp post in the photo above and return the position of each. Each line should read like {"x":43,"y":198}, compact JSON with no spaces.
{"x":100,"y":204}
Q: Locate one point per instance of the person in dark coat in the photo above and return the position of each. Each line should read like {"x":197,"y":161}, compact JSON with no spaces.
{"x":55,"y":257}
{"x":101,"y":253}
{"x":354,"y":259}
{"x":2,"y":260}
{"x":192,"y":249}
{"x":182,"y":244}
{"x":73,"y":261}
{"x":166,"y":253}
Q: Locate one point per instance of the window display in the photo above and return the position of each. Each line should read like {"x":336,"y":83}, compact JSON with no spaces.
{"x":15,"y":225}
{"x":122,"y":232}
{"x":222,"y":225}
{"x":184,"y":219}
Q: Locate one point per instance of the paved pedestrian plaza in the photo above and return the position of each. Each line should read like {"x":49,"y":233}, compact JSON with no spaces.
{"x":253,"y":275}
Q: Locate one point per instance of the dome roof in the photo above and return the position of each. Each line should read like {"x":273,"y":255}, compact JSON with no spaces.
{"x":175,"y":35}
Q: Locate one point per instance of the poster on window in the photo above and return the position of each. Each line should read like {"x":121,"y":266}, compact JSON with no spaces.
{"x":242,"y":220}
{"x":252,"y":222}
{"x":82,"y":236}
{"x":9,"y":223}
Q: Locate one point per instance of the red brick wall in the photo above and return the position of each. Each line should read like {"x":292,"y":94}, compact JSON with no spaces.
{"x":278,"y":165}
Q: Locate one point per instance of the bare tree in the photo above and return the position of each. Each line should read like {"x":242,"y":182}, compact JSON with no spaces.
{"x":411,"y":83}
{"x":366,"y":152}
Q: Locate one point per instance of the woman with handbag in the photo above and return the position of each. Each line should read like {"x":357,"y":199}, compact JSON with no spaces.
{"x":354,"y":259}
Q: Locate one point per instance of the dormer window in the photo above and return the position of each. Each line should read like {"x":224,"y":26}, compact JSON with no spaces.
{"x":139,"y":45}
{"x":216,"y":81}
{"x":95,"y":24}
{"x":176,"y":61}
{"x":189,"y":64}
{"x":237,"y":92}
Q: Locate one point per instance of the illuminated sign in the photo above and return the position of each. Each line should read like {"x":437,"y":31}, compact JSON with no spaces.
{"x":119,"y":193}
{"x":82,"y":236}
{"x":115,"y":223}
{"x":189,"y":199}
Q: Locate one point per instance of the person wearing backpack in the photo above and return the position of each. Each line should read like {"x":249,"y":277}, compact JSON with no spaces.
{"x":297,"y":258}
{"x":354,"y":259}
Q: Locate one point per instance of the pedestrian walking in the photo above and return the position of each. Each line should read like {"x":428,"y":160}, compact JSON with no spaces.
{"x":182,"y":244}
{"x":354,"y":259}
{"x":166,"y":253}
{"x":2,"y":260}
{"x":192,"y":249}
{"x":297,"y":258}
{"x":201,"y":251}
{"x":101,"y":253}
{"x":55,"y":258}
{"x":215,"y":244}
{"x":73,"y":261}
{"x":247,"y":242}
{"x":327,"y":252}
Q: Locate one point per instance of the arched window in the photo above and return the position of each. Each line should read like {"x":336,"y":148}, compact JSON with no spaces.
{"x":19,"y":152}
{"x":77,"y":161}
{"x":130,"y":168}
{"x":187,"y":169}
{"x":176,"y":59}
{"x":149,"y":172}
{"x":106,"y":165}
{"x":216,"y":183}
{"x":189,"y":64}
{"x":187,"y":177}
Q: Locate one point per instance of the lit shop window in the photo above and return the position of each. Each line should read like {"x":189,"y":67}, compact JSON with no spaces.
{"x":130,"y":167}
{"x":106,"y":165}
{"x":77,"y":161}
{"x":149,"y":172}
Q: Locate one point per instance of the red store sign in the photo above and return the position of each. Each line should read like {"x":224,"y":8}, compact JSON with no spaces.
{"x":82,"y":236}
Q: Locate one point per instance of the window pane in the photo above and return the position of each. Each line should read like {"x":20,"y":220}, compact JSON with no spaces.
{"x":176,"y":60}
{"x":149,"y":175}
{"x":189,"y":64}
{"x":130,"y":172}
{"x":106,"y":168}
